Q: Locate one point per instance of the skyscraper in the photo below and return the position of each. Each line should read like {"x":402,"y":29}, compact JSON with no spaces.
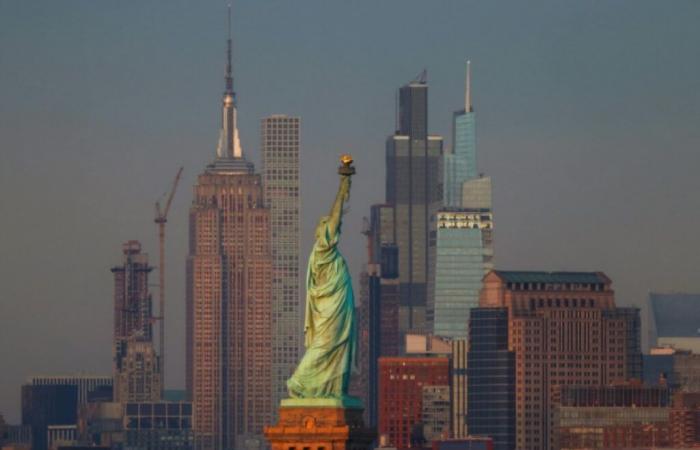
{"x":460,"y":163}
{"x":280,"y":170}
{"x":462,"y":251}
{"x":137,"y":374}
{"x":413,"y":159}
{"x":564,"y":329}
{"x":229,"y":281}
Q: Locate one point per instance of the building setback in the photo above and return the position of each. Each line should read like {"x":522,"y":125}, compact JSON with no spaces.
{"x":564,"y":329}
{"x":401,"y":383}
{"x":280,"y":169}
{"x":229,"y":282}
{"x":413,"y":160}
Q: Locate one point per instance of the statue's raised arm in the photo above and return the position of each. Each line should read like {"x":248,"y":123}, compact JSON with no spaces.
{"x":329,"y":326}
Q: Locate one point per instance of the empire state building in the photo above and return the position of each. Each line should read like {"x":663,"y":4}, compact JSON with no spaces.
{"x":229,"y":278}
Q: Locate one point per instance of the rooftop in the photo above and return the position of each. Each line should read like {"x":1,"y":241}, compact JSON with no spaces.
{"x":551,"y":277}
{"x":676,"y":315}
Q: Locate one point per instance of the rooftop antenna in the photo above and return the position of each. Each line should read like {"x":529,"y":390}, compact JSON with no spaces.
{"x":396,"y":111}
{"x":229,"y":76}
{"x":468,"y":89}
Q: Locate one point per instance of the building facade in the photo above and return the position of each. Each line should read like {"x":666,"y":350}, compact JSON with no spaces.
{"x":462,"y":255}
{"x":564,"y":329}
{"x":229,"y":296}
{"x":491,"y":378}
{"x":413,"y":190}
{"x":615,"y":416}
{"x":401,"y":382}
{"x":436,"y":413}
{"x":158,"y":426}
{"x":47,"y":405}
{"x":462,"y":251}
{"x":136,"y":366}
{"x":280,"y":137}
{"x":460,"y":163}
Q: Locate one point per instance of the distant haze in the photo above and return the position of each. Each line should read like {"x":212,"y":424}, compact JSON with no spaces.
{"x":588,"y":119}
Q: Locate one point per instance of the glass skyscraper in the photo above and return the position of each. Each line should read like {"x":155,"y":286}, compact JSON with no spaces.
{"x":413,"y":159}
{"x":461,"y":262}
{"x":491,"y":378}
{"x":461,"y":252}
{"x":460,"y":164}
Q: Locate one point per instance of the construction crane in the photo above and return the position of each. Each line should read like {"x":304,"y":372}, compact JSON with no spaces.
{"x":161,"y":219}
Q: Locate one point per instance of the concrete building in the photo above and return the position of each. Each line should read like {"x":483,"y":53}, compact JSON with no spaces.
{"x":679,"y":369}
{"x":458,"y":381}
{"x":229,"y":296}
{"x":413,"y":167}
{"x":564,"y":329}
{"x":136,"y":366}
{"x":86,"y":385}
{"x":436,"y":412}
{"x":615,"y":416}
{"x":61,"y":435}
{"x":158,"y":426}
{"x":401,"y":382}
{"x":685,"y":420}
{"x":280,"y":138}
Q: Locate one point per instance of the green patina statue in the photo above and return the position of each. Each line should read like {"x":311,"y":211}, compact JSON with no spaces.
{"x":329,"y":327}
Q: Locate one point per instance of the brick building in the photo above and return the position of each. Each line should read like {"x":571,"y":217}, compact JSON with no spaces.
{"x":401,"y":383}
{"x":564,"y":329}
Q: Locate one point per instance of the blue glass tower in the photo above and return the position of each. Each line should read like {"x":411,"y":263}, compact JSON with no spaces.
{"x":462,"y":251}
{"x":460,"y":164}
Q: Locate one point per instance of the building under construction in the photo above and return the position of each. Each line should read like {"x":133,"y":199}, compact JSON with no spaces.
{"x":137,"y":371}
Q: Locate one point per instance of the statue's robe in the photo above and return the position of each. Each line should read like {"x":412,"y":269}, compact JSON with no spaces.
{"x":329,"y":327}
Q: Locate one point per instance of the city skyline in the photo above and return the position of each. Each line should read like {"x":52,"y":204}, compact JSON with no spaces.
{"x":528,"y":156}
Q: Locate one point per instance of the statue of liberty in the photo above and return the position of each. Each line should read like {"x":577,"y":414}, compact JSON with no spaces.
{"x":329,"y":326}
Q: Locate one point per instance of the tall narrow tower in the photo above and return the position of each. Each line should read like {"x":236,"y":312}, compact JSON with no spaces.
{"x":460,"y":163}
{"x":229,"y":276}
{"x":280,"y":168}
{"x":413,"y":160}
{"x":137,"y":371}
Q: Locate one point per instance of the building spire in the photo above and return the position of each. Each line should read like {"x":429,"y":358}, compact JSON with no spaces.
{"x":468,"y":89}
{"x":229,"y":76}
{"x":229,"y":141}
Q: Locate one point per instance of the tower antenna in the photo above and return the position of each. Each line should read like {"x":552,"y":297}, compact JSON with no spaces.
{"x":468,"y":88}
{"x":229,"y":50}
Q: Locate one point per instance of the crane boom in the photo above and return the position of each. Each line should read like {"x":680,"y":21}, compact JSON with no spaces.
{"x":160,"y":220}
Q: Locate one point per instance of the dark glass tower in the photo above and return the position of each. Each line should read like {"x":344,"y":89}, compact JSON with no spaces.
{"x":491,"y":378}
{"x":413,"y":159}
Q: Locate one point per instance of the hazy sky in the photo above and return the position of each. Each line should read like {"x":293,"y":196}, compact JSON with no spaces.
{"x":588,"y":118}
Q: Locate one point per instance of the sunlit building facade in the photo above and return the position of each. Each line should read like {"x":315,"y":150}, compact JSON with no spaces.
{"x":229,"y":296}
{"x":280,"y":137}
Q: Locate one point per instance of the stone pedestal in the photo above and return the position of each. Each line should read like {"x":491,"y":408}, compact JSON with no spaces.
{"x":320,"y":424}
